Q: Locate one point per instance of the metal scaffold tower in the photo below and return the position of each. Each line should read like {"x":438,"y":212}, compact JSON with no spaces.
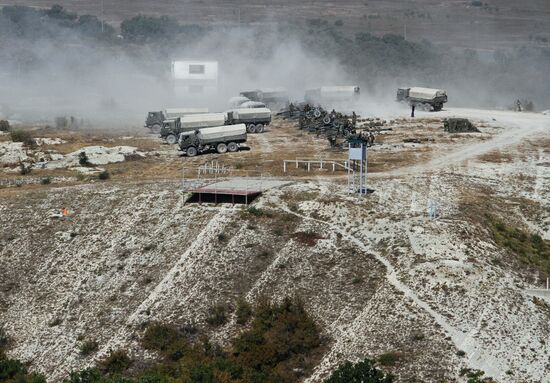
{"x":357,"y":166}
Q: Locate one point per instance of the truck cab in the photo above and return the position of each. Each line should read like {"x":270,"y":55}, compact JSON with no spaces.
{"x":402,"y":94}
{"x":171,"y":129}
{"x":154,"y":121}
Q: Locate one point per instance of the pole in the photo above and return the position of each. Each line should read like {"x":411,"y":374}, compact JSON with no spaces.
{"x":102,"y":15}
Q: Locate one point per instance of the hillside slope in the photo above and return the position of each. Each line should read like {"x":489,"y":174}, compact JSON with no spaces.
{"x":376,"y":274}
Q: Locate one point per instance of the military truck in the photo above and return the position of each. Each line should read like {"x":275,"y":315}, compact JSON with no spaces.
{"x":154,"y":120}
{"x":329,"y":95}
{"x":173,"y":127}
{"x":426,"y":98}
{"x":273,"y":97}
{"x":255,"y":119}
{"x":226,"y":138}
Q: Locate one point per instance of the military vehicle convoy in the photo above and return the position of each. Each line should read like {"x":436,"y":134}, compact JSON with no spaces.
{"x":173,"y":127}
{"x":226,"y":138}
{"x":154,"y":120}
{"x":426,"y":98}
{"x":255,"y":120}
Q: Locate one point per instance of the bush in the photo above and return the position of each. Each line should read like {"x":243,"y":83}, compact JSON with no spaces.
{"x":117,"y":362}
{"x":104,"y":175}
{"x":530,"y":248}
{"x":4,"y":339}
{"x":217,"y":315}
{"x":389,"y":358}
{"x":4,"y":126}
{"x":362,"y":372}
{"x":83,"y":159}
{"x":24,"y":169}
{"x":46,"y":181}
{"x":22,"y":136}
{"x":244,"y":311}
{"x":255,"y":211}
{"x":159,"y":336}
{"x":88,"y":347}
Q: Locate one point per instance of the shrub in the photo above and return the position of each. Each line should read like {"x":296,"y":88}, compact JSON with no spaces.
{"x":217,"y":315}
{"x":4,"y":126}
{"x":14,"y":371}
{"x":255,"y":211}
{"x":22,"y":136}
{"x":24,"y":169}
{"x":46,"y":181}
{"x":88,"y":347}
{"x":363,"y":372}
{"x":244,"y":311}
{"x":222,"y":237}
{"x":117,"y":362}
{"x":4,"y":339}
{"x":389,"y":358}
{"x":83,"y":159}
{"x":104,"y":175}
{"x":530,"y":248}
{"x":159,"y":337}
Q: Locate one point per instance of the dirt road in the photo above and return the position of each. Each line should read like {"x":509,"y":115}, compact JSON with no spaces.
{"x":516,"y":127}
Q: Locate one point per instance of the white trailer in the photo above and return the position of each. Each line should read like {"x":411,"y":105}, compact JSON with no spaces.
{"x":221,"y":138}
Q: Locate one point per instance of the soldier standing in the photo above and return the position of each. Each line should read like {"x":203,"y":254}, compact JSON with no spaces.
{"x":413,"y":107}
{"x":353,"y":119}
{"x":518,"y":103}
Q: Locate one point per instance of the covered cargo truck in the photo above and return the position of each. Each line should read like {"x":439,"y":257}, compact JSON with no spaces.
{"x":272,"y":97}
{"x":428,"y":98}
{"x":327,"y":95}
{"x":226,"y":138}
{"x":154,"y":120}
{"x":173,"y":127}
{"x":255,"y":119}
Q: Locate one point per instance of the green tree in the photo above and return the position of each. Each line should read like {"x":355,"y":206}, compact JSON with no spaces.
{"x":362,"y":372}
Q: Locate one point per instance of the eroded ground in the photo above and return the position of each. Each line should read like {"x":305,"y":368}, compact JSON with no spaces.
{"x":376,"y":273}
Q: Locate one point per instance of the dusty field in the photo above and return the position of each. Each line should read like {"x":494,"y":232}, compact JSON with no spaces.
{"x":456,"y":23}
{"x":380,"y":277}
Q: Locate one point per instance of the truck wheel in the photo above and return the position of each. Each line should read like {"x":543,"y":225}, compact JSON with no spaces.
{"x":221,"y":148}
{"x":251,"y":128}
{"x":326,"y":120}
{"x":259,"y":128}
{"x":232,"y":147}
{"x":171,"y":139}
{"x":191,"y":151}
{"x":156,"y":128}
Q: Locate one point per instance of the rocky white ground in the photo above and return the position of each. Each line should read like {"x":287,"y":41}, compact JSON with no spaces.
{"x":383,"y":277}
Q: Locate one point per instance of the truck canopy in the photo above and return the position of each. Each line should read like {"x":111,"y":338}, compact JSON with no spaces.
{"x":221,"y":132}
{"x":203,"y":120}
{"x":180,"y":112}
{"x":235,"y":102}
{"x":339,"y":91}
{"x":252,"y":104}
{"x":426,"y":93}
{"x":251,"y":113}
